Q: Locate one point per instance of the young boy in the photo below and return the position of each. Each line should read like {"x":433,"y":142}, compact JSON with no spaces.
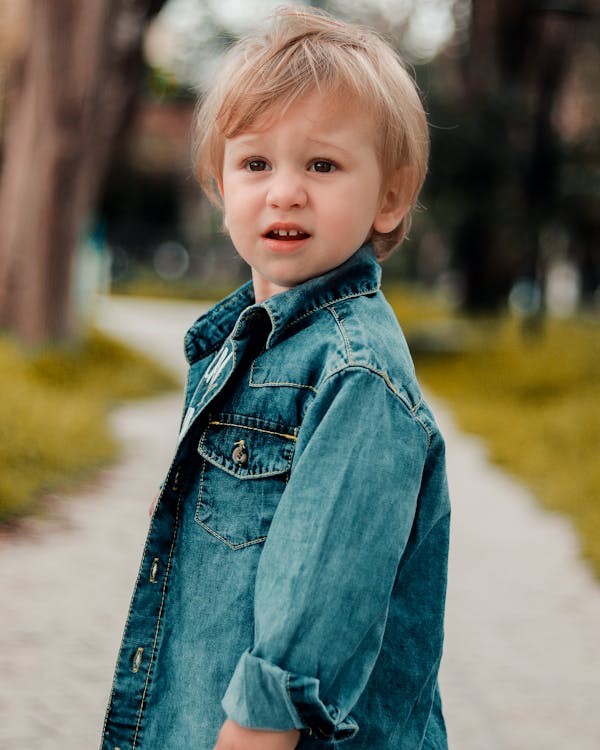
{"x":291,"y":591}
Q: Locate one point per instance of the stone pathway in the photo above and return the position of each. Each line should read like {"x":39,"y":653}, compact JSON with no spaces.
{"x":522,"y":662}
{"x":521,"y":669}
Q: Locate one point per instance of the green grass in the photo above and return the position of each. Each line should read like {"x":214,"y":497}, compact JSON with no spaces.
{"x":149,"y":285}
{"x":53,"y":413}
{"x":533,"y":398}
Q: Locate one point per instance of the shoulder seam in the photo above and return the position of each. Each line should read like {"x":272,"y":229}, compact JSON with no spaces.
{"x":411,"y":409}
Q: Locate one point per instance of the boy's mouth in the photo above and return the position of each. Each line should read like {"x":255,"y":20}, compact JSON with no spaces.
{"x":286,"y":234}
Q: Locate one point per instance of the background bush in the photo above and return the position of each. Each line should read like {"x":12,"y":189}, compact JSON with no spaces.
{"x":53,"y":413}
{"x":532,"y":395}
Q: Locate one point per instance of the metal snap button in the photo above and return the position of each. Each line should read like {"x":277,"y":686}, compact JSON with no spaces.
{"x":154,"y":570}
{"x":240,"y":453}
{"x":137,"y":660}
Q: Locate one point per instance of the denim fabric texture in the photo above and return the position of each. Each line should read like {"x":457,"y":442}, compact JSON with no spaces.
{"x":294,"y":573}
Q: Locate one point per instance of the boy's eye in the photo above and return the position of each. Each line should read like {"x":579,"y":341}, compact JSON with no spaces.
{"x":321,"y":165}
{"x":256,"y":165}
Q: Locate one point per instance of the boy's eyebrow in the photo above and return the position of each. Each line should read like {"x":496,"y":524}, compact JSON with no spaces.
{"x":243,"y":138}
{"x":328,"y":144}
{"x":250,"y":139}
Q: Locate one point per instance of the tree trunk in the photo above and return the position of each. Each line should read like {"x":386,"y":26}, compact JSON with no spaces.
{"x":518,"y":55}
{"x":76,"y":82}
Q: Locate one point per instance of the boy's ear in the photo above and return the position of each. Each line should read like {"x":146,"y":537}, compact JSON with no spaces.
{"x":395,"y":199}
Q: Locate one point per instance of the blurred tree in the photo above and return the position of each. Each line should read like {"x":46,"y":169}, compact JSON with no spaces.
{"x":70,"y":90}
{"x":496,"y":176}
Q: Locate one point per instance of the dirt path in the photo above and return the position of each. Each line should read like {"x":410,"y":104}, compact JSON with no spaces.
{"x":522,"y":663}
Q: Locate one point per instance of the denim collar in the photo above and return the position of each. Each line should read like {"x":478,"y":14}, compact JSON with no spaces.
{"x":359,"y":275}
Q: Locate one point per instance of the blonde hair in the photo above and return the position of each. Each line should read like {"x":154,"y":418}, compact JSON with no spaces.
{"x":302,"y":50}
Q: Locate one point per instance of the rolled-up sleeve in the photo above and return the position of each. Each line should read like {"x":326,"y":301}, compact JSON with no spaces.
{"x":330,"y":560}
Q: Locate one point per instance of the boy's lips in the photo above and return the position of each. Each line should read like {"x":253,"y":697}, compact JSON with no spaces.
{"x":286,"y":232}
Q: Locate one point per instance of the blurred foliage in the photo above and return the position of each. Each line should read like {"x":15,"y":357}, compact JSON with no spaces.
{"x":513,"y":183}
{"x":53,"y":426}
{"x":533,"y":398}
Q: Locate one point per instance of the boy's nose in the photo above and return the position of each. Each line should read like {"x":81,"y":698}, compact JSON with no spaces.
{"x":286,"y":191}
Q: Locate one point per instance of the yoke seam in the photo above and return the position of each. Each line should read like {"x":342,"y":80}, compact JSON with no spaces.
{"x":411,"y":409}
{"x":254,"y":384}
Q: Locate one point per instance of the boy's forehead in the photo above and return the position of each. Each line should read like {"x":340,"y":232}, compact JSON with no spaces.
{"x":326,"y":111}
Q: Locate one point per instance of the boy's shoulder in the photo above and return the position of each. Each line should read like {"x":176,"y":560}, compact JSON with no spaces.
{"x":371,"y":334}
{"x":335,"y":324}
{"x":349,"y":333}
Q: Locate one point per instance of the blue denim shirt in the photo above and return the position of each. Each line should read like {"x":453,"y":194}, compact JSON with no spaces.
{"x":294,"y":573}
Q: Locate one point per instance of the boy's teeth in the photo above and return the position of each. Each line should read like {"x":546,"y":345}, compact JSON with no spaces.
{"x":287,"y":232}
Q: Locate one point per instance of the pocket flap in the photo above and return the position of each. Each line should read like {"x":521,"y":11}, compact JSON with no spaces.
{"x":247,"y":447}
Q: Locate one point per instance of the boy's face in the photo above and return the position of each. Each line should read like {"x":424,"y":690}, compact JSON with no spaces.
{"x":302,"y":191}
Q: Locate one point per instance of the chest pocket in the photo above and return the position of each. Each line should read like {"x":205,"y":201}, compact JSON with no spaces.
{"x":245,"y":466}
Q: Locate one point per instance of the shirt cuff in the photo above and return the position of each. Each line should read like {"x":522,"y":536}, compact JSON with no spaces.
{"x":263,"y":696}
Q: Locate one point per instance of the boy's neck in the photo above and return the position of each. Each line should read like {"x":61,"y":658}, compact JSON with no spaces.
{"x":263,"y":288}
